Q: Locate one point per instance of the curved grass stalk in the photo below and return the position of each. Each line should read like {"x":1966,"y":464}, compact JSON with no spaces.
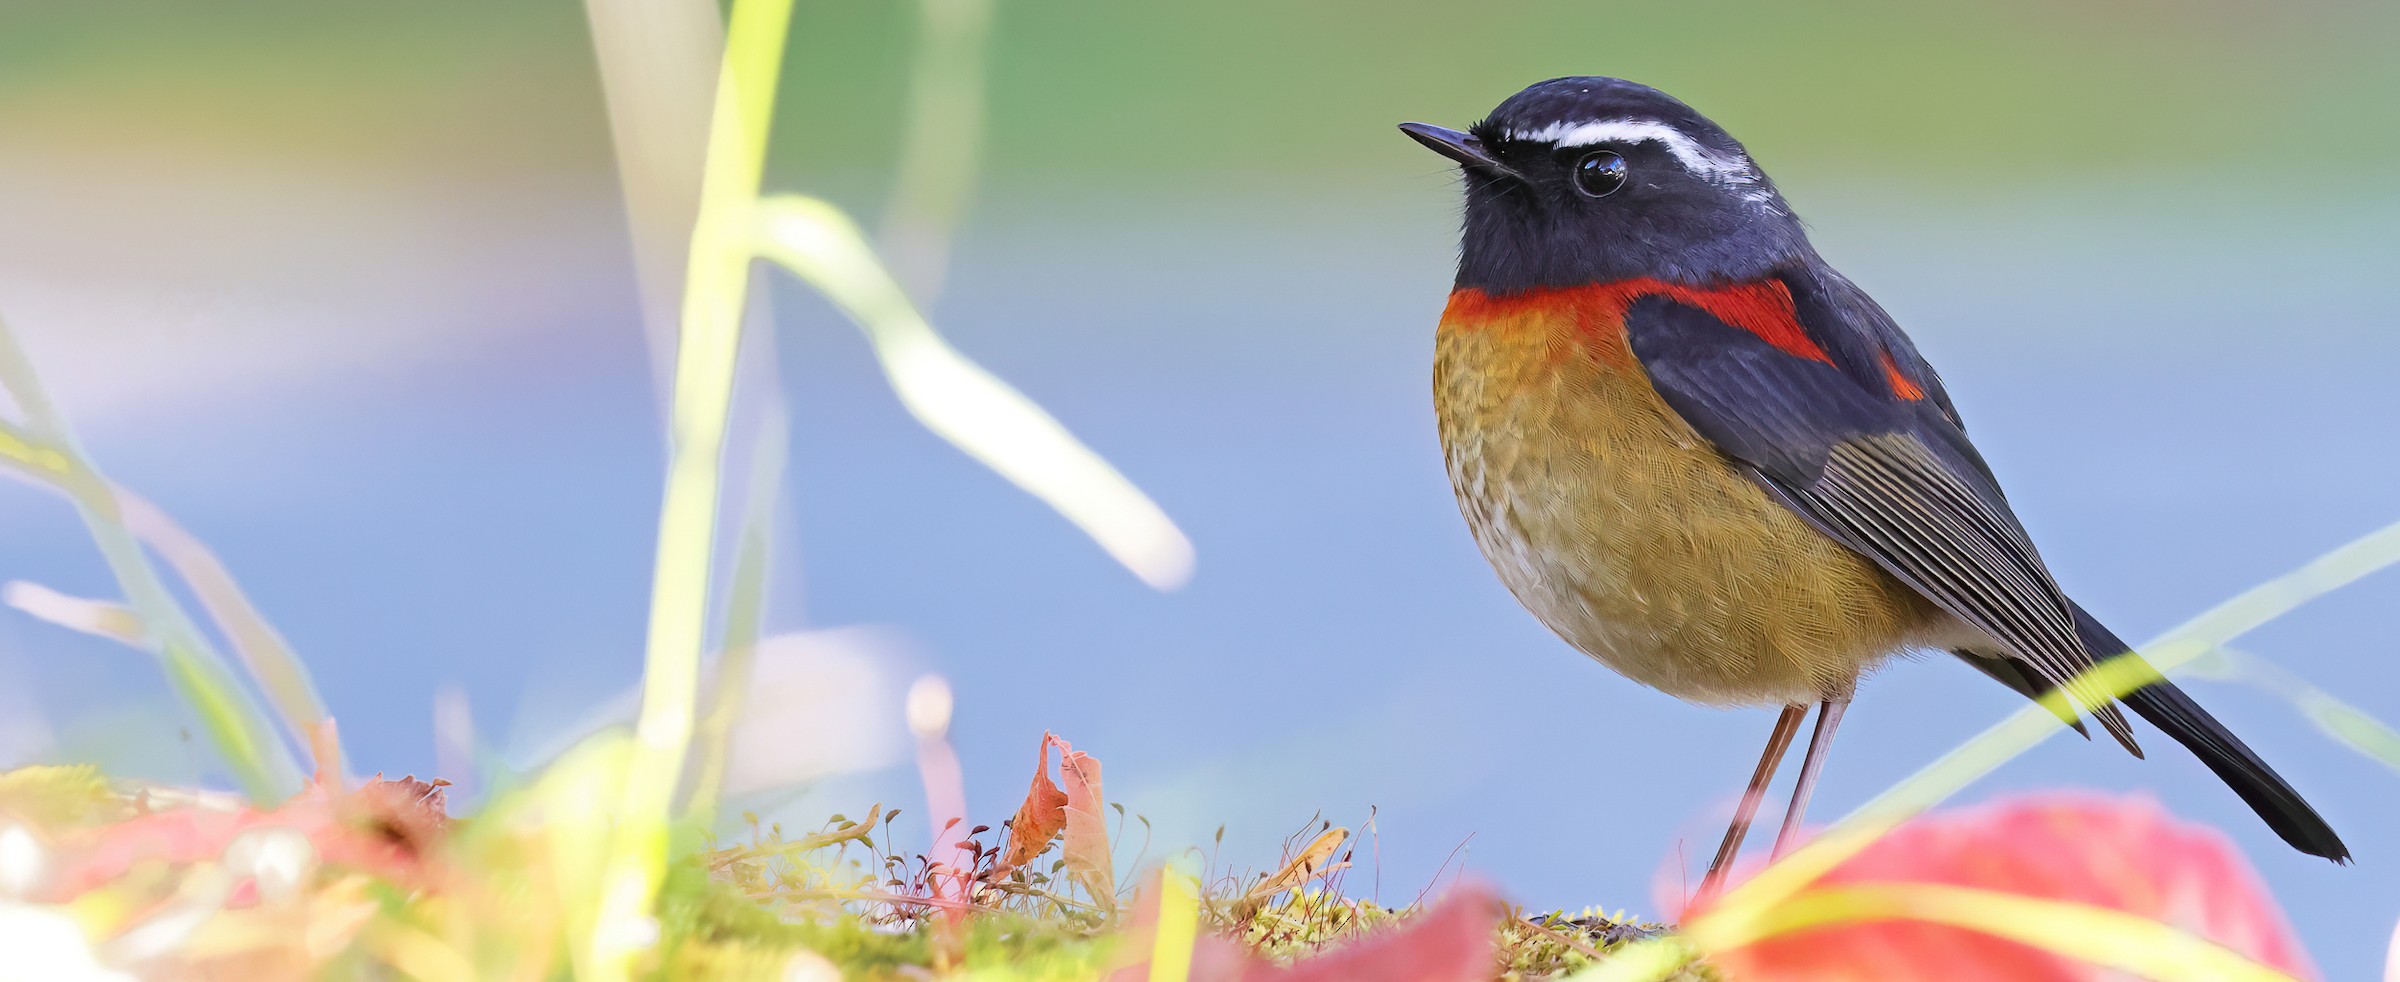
{"x":2032,"y":724}
{"x":2340,"y":721}
{"x":715,"y":287}
{"x":965,"y":404}
{"x":47,"y":452}
{"x":262,"y":650}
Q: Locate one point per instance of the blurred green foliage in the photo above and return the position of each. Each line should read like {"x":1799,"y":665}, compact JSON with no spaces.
{"x":1241,"y":94}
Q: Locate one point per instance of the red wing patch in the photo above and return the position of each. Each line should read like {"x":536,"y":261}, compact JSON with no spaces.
{"x":1902,"y":386}
{"x":1761,"y":308}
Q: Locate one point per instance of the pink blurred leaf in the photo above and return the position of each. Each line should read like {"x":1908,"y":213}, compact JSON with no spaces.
{"x":1450,"y":942}
{"x":384,"y":828}
{"x":2124,"y":854}
{"x":1086,"y":846}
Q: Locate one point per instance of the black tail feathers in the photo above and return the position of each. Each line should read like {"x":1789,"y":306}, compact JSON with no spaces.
{"x":2175,"y":714}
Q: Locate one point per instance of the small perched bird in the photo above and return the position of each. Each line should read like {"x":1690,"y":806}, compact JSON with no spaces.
{"x":1709,"y":461}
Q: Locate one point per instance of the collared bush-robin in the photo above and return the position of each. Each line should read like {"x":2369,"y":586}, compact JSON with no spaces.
{"x":1706,"y":459}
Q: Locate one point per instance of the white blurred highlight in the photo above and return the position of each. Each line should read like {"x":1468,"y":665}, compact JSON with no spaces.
{"x":966,"y":405}
{"x":279,"y":860}
{"x":2391,"y":957}
{"x":818,"y":704}
{"x":808,"y":966}
{"x":24,"y":864}
{"x":45,"y":944}
{"x":929,"y":705}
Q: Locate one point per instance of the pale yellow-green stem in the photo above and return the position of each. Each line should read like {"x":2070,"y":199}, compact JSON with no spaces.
{"x":2351,"y":726}
{"x":658,"y":62}
{"x":745,"y":615}
{"x":1178,"y":926}
{"x":715,"y":285}
{"x":941,"y":145}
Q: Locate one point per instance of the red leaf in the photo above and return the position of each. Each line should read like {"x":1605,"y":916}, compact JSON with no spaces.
{"x":2121,"y":853}
{"x":1040,"y":818}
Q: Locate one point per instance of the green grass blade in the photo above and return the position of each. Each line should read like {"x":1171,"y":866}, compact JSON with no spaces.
{"x":715,"y":288}
{"x":745,"y":615}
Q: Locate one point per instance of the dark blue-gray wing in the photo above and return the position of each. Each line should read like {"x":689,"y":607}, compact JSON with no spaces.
{"x":1892,"y":478}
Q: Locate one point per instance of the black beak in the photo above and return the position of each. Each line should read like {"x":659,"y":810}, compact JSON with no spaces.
{"x":1461,"y":147}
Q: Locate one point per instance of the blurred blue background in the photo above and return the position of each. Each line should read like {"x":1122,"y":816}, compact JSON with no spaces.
{"x":349,"y":294}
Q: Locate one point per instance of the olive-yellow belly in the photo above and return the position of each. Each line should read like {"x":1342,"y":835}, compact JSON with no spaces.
{"x":1636,"y":541}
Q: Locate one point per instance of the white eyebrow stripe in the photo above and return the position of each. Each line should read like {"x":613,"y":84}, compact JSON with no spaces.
{"x":1698,"y":159}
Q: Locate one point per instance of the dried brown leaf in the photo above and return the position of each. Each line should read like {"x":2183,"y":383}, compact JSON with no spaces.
{"x":408,"y":813}
{"x":1040,"y":819}
{"x":1312,"y":862}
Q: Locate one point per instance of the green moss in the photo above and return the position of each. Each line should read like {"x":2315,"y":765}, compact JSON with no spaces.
{"x":750,"y":907}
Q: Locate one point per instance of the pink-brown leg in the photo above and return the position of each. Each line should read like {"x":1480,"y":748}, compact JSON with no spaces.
{"x":1787,"y":726}
{"x":1829,"y":715}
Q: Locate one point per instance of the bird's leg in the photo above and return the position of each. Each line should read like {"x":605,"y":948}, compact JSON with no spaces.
{"x":1829,"y":715}
{"x":1787,"y":726}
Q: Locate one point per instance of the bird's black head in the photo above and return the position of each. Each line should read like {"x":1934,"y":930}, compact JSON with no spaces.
{"x":1587,"y":179}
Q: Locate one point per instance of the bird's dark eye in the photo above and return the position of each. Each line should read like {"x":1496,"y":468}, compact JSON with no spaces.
{"x":1600,"y":174}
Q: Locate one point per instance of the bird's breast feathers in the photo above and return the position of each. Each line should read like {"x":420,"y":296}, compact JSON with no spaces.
{"x":1627,"y":532}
